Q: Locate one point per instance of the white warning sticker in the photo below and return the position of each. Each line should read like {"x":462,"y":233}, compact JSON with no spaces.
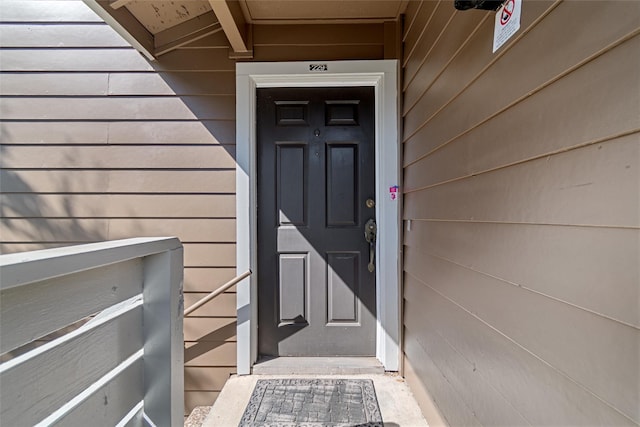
{"x":507,"y":22}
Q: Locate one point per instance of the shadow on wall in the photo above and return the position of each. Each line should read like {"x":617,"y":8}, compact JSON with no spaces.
{"x":175,"y":145}
{"x":127,"y":152}
{"x":68,"y":200}
{"x":34,"y":218}
{"x":210,"y":342}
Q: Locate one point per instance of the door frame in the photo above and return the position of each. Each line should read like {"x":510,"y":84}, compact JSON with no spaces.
{"x":383,"y":76}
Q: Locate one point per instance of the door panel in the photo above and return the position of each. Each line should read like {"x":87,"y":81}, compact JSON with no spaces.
{"x":293,"y":285}
{"x":315,"y":173}
{"x":291,"y":185}
{"x":342,"y":184}
{"x":342,"y":287}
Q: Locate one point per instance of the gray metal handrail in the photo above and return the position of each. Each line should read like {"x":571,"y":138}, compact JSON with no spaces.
{"x":217,"y":292}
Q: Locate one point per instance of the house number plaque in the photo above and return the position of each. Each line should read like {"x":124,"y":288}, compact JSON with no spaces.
{"x":318,"y":68}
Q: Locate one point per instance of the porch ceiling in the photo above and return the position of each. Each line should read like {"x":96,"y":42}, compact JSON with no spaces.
{"x":315,"y":11}
{"x":156,"y":27}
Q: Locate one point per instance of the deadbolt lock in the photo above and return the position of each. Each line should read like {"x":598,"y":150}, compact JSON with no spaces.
{"x":370,"y":203}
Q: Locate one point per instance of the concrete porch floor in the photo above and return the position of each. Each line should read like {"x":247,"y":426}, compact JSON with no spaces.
{"x":397,"y":404}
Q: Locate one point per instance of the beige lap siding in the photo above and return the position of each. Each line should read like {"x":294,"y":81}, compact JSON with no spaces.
{"x":98,"y":144}
{"x":521,"y":214}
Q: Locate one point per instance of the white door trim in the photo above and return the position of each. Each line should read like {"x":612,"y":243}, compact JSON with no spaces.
{"x":383,"y":76}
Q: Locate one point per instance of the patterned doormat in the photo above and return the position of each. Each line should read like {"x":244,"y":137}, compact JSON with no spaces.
{"x":312,"y":403}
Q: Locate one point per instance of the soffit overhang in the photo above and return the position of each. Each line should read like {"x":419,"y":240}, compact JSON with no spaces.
{"x":156,"y":27}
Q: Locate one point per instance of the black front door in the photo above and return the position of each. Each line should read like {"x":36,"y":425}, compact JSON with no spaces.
{"x":316,"y":188}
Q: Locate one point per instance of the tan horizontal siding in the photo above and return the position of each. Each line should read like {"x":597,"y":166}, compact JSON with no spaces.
{"x":421,"y":393}
{"x":204,"y":59}
{"x":419,"y":16}
{"x":467,"y":61}
{"x":47,"y":11}
{"x":112,"y":59}
{"x":175,"y":133}
{"x":409,"y":18}
{"x":550,"y":337}
{"x":223,"y":305}
{"x":205,"y":254}
{"x":601,"y":176}
{"x":80,"y":60}
{"x":118,"y":205}
{"x":62,"y":230}
{"x":80,"y":35}
{"x":207,"y":279}
{"x":324,"y":42}
{"x":318,"y":53}
{"x":119,"y":157}
{"x":452,"y":398}
{"x":203,"y":384}
{"x":99,"y":143}
{"x":118,"y":133}
{"x":220,"y":107}
{"x":522,"y":215}
{"x":123,"y":84}
{"x":526,"y":381}
{"x":121,"y":181}
{"x":449,"y":123}
{"x":216,"y":354}
{"x":90,"y":230}
{"x":597,"y":257}
{"x":190,"y":230}
{"x":526,"y":139}
{"x":449,"y":39}
{"x":315,"y":35}
{"x":211,"y":379}
{"x":173,"y":83}
{"x":217,"y":331}
{"x":54,"y":133}
{"x":67,"y":84}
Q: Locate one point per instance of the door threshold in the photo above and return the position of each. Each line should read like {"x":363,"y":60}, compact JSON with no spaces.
{"x":318,"y":366}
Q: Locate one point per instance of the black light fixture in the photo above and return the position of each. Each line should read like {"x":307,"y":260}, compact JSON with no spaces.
{"x":477,"y":4}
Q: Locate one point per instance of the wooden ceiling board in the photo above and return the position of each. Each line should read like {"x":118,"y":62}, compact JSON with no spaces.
{"x":159,"y":15}
{"x":155,"y":27}
{"x":321,"y":10}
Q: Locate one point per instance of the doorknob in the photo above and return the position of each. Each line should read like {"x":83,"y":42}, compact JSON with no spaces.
{"x":370,"y":234}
